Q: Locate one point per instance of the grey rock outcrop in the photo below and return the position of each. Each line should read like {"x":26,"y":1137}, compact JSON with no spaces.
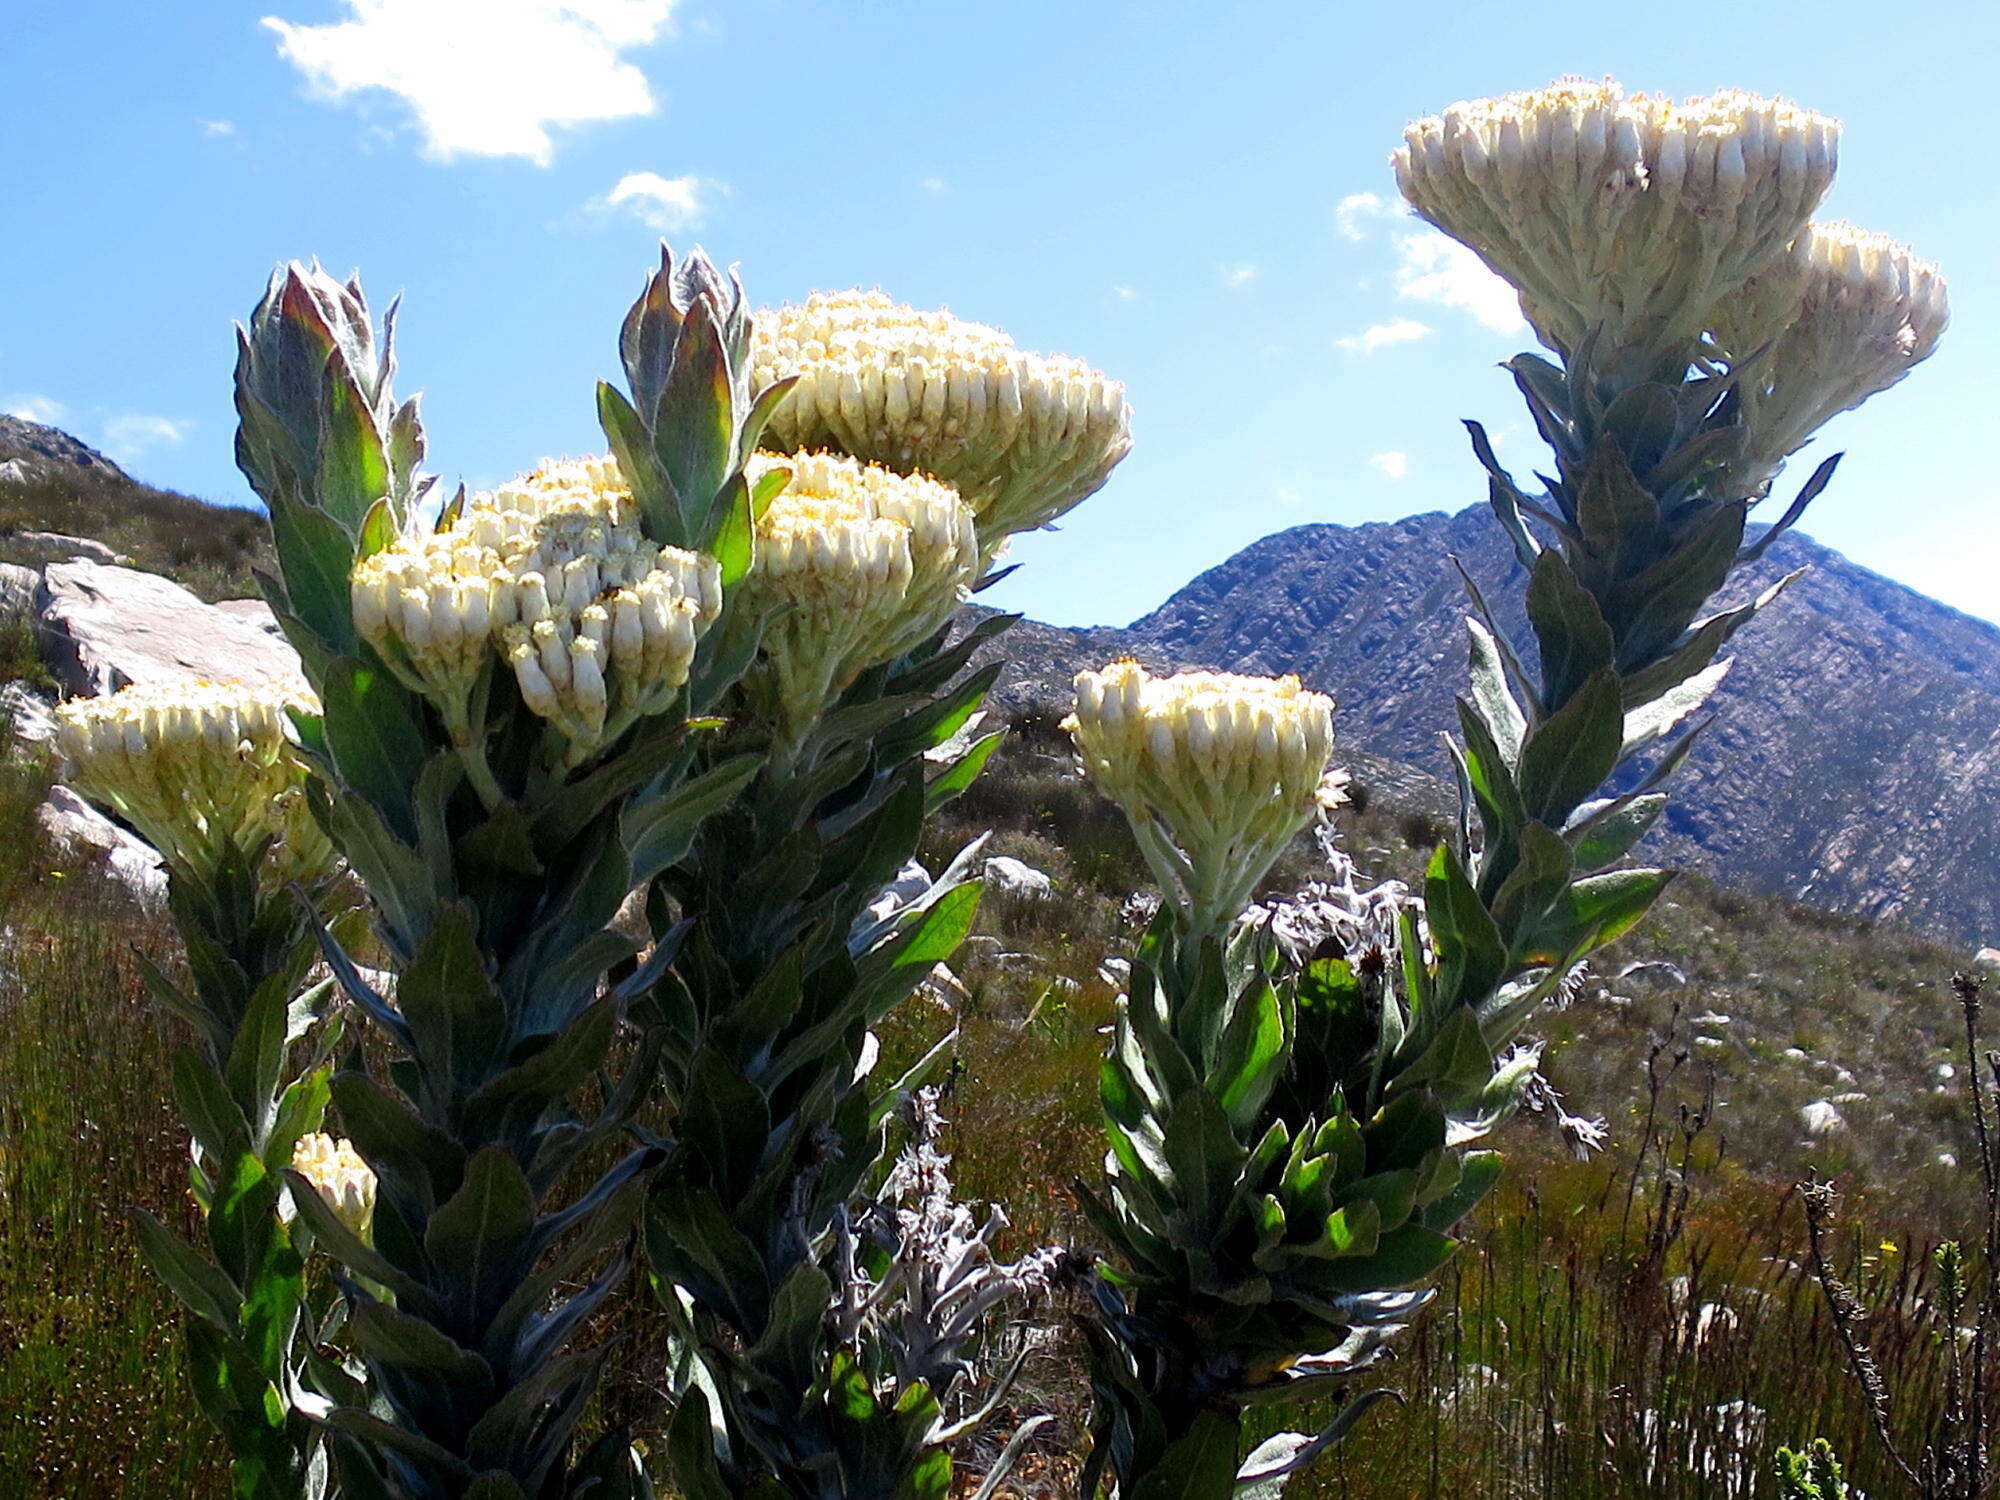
{"x":34,"y":448}
{"x":79,"y":831}
{"x":103,"y":627}
{"x":39,"y":548}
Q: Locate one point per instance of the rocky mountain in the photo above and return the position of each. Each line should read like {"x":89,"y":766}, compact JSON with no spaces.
{"x":1854,"y":763}
{"x":29,"y":446}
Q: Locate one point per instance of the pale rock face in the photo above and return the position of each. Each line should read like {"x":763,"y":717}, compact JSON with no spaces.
{"x":1821,"y":1118}
{"x":80,"y":831}
{"x":252,"y":612}
{"x":43,"y":547}
{"x":1013,"y":877}
{"x":104,"y":627}
{"x":18,"y":587}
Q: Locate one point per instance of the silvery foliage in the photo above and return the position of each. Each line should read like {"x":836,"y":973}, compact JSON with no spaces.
{"x":1337,"y":911}
{"x":936,"y":1277}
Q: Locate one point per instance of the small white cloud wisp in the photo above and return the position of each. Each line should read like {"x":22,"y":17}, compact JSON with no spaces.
{"x":1383,"y":335}
{"x":484,"y":77}
{"x":34,"y":409}
{"x":1392,"y":464}
{"x":1353,"y":214}
{"x":1239,"y":275}
{"x":667,"y":204}
{"x":1431,"y":268}
{"x":136,"y":435}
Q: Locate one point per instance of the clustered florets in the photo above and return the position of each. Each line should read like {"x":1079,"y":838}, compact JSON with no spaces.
{"x":339,"y":1175}
{"x":1022,"y":437}
{"x":1628,"y":217}
{"x":1215,"y":771}
{"x":200,"y":770}
{"x":551,"y":574}
{"x":1841,"y":316}
{"x":859,"y":564}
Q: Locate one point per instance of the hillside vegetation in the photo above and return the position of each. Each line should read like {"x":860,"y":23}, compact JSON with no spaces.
{"x":1559,"y":1340}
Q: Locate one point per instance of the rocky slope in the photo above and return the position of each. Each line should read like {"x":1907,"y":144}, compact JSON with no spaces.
{"x":1855,"y":761}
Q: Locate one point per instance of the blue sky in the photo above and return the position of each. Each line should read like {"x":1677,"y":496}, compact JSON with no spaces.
{"x":1193,"y":197}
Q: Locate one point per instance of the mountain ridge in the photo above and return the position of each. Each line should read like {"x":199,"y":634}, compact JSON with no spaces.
{"x":1854,"y":759}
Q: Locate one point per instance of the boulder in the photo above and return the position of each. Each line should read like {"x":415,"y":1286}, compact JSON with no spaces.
{"x":1013,"y":877}
{"x":42,"y":547}
{"x":18,"y":587}
{"x":1987,"y":958}
{"x":252,"y":612}
{"x":27,"y":714}
{"x":76,"y":829}
{"x":104,"y":627}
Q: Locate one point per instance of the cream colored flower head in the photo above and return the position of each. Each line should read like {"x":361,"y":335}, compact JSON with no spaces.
{"x":866,"y":562}
{"x":339,"y":1175}
{"x":1022,"y":437}
{"x":1216,"y":772}
{"x":199,"y":769}
{"x":1845,"y":314}
{"x":550,"y":574}
{"x":1628,"y":216}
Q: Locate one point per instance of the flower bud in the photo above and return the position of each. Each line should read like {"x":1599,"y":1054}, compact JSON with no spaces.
{"x":869,"y":562}
{"x":1216,"y":773}
{"x":341,"y":1178}
{"x":1022,"y":437}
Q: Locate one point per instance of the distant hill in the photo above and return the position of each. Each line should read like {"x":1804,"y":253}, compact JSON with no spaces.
{"x":1855,"y":763}
{"x":50,"y":481}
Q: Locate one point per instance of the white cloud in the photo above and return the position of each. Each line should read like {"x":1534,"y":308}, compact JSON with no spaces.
{"x":34,"y":409}
{"x":1393,"y":464}
{"x":935,"y":185}
{"x":668,"y":204}
{"x":1125,"y":293}
{"x":135,"y":436}
{"x":1289,"y":496}
{"x":1352,"y":214}
{"x":1435,"y":269}
{"x":217,"y":128}
{"x":485,"y":77}
{"x":1382,"y":335}
{"x":1239,"y":275}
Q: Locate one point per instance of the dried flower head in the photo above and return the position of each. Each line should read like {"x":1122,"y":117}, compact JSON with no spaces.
{"x":1023,"y":437}
{"x":1845,"y":314}
{"x":1627,"y":216}
{"x":1216,"y":773}
{"x":339,"y":1175}
{"x":551,"y":574}
{"x":867,"y":563}
{"x":201,"y":769}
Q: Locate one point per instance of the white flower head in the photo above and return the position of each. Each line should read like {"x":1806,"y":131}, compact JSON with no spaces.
{"x":339,"y":1175}
{"x":201,"y":768}
{"x":1842,"y":316}
{"x":865,"y":562}
{"x":1215,"y":771}
{"x":1022,"y":437}
{"x":1624,"y":216}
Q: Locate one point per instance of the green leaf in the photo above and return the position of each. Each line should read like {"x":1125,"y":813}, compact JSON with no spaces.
{"x":1198,"y":1465}
{"x":477,"y":1238}
{"x":1491,"y":696}
{"x":632,"y":446}
{"x":1567,"y":758}
{"x":378,"y":530}
{"x":657,"y":832}
{"x":1479,"y":1171}
{"x":1536,"y":882}
{"x":1616,"y":516}
{"x":197,"y":1281}
{"x":1611,"y":837}
{"x":691,"y":1449}
{"x":1252,"y":1054}
{"x":257,"y":1056}
{"x":458,"y":1022}
{"x":372,"y":732}
{"x":694,"y":424}
{"x":1569,"y":627}
{"x":412,"y":1346}
{"x":1472,"y":955}
{"x":735,"y":538}
{"x":961,"y":773}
